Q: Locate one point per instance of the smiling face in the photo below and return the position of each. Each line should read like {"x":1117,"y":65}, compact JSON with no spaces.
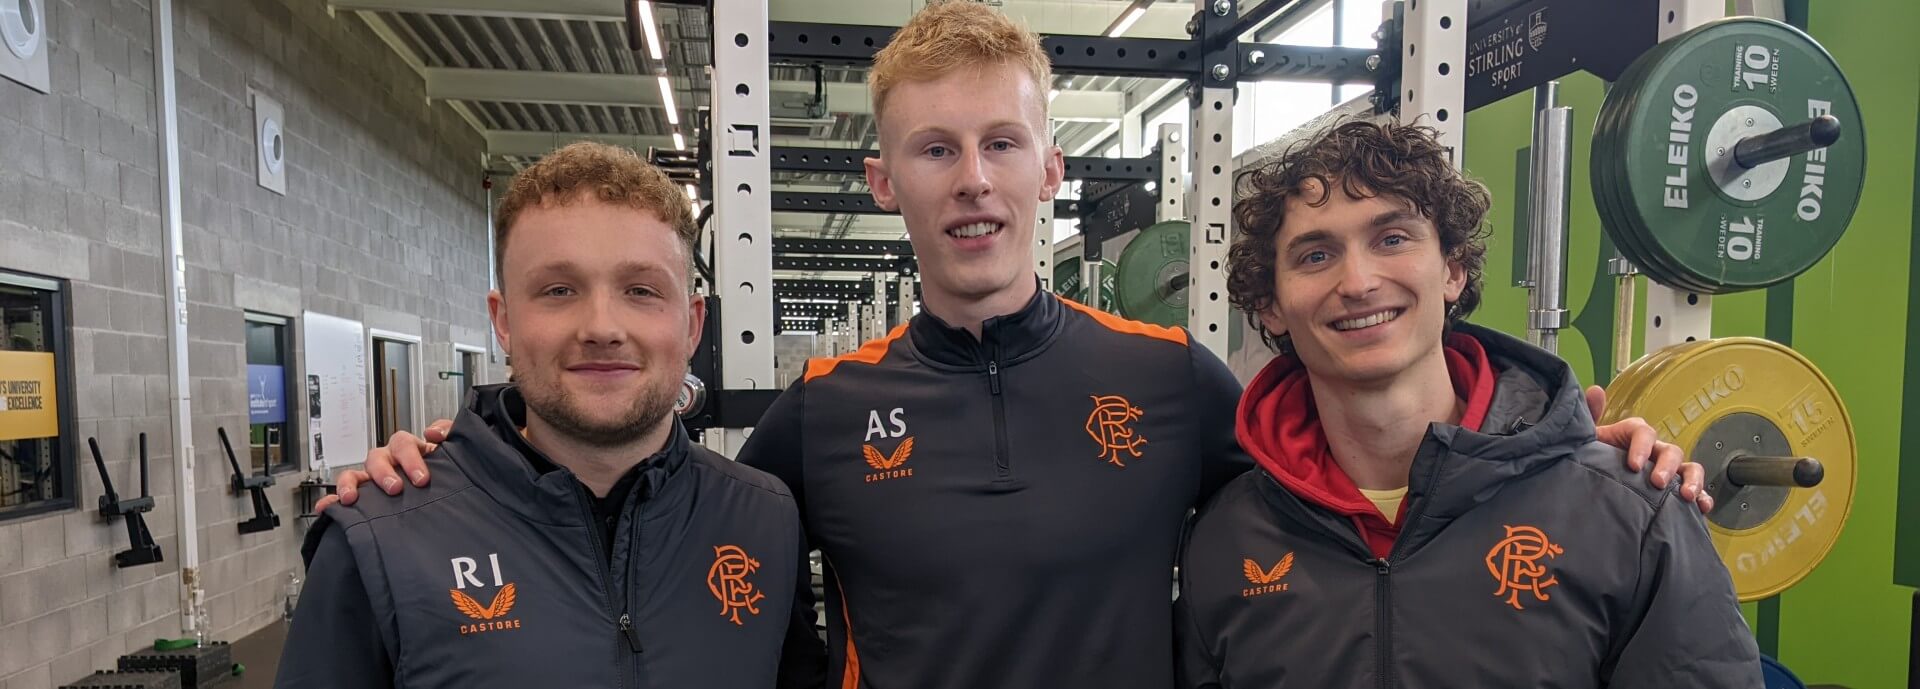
{"x":596,"y":310}
{"x":1361,"y":285}
{"x":966,"y":159}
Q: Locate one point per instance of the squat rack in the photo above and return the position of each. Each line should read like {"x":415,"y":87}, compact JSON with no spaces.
{"x":1213,"y":61}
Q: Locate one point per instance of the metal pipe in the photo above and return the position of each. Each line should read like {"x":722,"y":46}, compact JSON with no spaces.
{"x":1552,"y":180}
{"x":1624,"y":275}
{"x":493,"y":274}
{"x":1801,"y":472}
{"x":1785,"y":142}
{"x":180,"y":399}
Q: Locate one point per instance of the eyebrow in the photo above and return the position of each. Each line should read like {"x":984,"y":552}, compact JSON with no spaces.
{"x":1396,"y":216}
{"x":1384,"y":219}
{"x":622,"y":268}
{"x":943,"y":131}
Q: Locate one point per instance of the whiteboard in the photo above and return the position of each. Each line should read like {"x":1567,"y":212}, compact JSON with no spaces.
{"x":338,"y":422}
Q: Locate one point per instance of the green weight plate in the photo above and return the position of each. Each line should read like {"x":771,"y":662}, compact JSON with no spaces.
{"x":1067,"y":281}
{"x":1721,"y":228}
{"x":1608,"y":168}
{"x":1151,"y":282}
{"x":1633,"y":244}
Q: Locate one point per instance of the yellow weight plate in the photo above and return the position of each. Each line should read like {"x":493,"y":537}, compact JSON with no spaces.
{"x":1721,"y":398}
{"x":1626,"y":387}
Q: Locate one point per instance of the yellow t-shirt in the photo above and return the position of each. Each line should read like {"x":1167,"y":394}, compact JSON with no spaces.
{"x":1387,"y":500}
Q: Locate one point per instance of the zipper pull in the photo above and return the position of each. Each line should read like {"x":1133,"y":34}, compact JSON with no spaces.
{"x":1382,"y":567}
{"x":993,"y":376}
{"x":626,"y":629}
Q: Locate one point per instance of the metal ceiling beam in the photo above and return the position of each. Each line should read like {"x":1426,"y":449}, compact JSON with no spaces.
{"x":1163,"y":19}
{"x":565,"y":10}
{"x":576,"y":88}
{"x":503,"y":142}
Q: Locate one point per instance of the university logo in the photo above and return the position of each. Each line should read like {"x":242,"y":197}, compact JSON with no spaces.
{"x":1111,"y":426}
{"x":1265,"y":580}
{"x":1518,"y":563}
{"x":886,"y":466}
{"x":727,"y":579}
{"x":492,"y":616}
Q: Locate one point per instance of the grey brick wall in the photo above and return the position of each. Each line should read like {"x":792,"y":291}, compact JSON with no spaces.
{"x":383,"y":221}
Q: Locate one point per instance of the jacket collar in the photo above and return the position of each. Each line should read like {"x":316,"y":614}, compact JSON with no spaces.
{"x":486,"y":444}
{"x":1007,"y":339}
{"x":1536,"y":417}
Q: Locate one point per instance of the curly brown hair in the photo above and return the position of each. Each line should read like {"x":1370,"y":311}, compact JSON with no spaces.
{"x":1365,"y":159}
{"x":614,"y":175}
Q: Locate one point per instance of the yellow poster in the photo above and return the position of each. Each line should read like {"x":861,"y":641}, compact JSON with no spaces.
{"x":28,"y":408}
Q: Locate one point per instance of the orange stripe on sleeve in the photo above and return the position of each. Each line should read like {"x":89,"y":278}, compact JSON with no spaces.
{"x":869,"y":353}
{"x":1122,"y":325}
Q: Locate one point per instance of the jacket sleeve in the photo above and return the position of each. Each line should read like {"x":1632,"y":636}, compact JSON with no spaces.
{"x":774,"y":448}
{"x":1194,"y":666}
{"x":1218,"y":394}
{"x":334,"y":640}
{"x":1685,"y":629}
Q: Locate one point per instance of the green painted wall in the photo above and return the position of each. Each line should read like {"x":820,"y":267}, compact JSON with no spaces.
{"x":1847,"y":623}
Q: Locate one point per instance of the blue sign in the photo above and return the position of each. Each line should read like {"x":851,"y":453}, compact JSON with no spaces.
{"x":266,"y":394}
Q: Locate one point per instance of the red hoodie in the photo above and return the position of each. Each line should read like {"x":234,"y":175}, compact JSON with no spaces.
{"x":1280,"y":426}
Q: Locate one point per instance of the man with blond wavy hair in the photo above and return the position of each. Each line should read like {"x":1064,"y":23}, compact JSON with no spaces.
{"x":998,"y":486}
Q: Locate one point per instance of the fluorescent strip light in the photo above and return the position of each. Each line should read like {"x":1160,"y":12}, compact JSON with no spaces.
{"x":645,"y":9}
{"x":693,"y":192}
{"x":666,"y":98}
{"x":1126,"y":21}
{"x":679,"y":142}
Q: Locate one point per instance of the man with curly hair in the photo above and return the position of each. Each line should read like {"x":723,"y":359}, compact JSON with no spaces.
{"x":1432,"y":508}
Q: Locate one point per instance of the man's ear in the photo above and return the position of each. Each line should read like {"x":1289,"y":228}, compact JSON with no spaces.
{"x":1271,"y":320}
{"x":497,"y":313}
{"x":1056,"y":174}
{"x":880,"y":181}
{"x":1456,"y":280}
{"x":696,"y":320}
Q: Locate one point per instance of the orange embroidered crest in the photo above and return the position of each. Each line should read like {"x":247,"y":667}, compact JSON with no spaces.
{"x":1110,"y":426}
{"x":727,"y":579}
{"x":1517,"y":563}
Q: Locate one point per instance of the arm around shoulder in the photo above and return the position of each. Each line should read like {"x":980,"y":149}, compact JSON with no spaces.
{"x":1218,"y":394}
{"x":334,"y":639}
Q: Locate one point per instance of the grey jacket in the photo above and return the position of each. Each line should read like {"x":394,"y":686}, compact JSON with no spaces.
{"x":494,"y":576}
{"x":1528,"y":556}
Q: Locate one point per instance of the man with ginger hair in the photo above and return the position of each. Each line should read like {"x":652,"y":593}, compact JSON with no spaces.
{"x":998,"y":486}
{"x":574,"y":536}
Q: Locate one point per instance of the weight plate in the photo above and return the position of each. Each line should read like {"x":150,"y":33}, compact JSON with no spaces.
{"x":1709,"y":386}
{"x":1631,"y":235}
{"x":1625,"y":392}
{"x":1151,"y":282}
{"x":1608,"y":168}
{"x":1067,"y":277}
{"x":1773,"y":675}
{"x":1688,"y":107}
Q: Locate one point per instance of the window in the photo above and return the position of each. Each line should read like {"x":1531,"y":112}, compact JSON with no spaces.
{"x":269,"y":377}
{"x":392,"y":384}
{"x":36,"y":399}
{"x":1270,"y":109}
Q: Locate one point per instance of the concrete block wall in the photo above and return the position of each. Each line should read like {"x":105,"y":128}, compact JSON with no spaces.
{"x":383,"y":221}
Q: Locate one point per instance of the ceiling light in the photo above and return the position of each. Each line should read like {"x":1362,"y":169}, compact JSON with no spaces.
{"x":642,"y":12}
{"x":679,"y":142}
{"x":666,"y":99}
{"x":693,"y":192}
{"x":1126,"y":20}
